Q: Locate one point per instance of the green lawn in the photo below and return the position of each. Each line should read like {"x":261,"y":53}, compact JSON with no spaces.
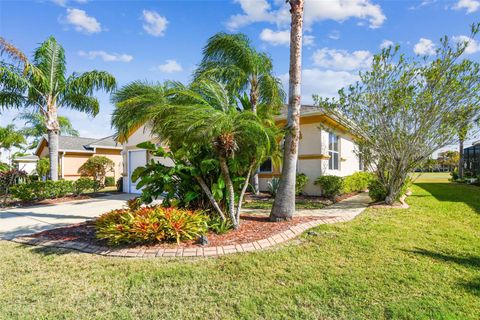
{"x":299,"y":203}
{"x":417,"y":263}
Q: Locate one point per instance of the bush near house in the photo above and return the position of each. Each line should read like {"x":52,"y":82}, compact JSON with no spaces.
{"x":40,"y":190}
{"x":359,"y":181}
{"x":377,"y":191}
{"x":43,"y":167}
{"x":300,"y":183}
{"x":97,"y":167}
{"x":83,"y":184}
{"x":150,"y":225}
{"x":333,"y":186}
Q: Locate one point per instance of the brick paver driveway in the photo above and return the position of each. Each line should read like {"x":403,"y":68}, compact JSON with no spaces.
{"x":23,"y":221}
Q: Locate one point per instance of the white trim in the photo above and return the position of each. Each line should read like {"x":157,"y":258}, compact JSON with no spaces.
{"x":103,"y":147}
{"x":129,"y":165}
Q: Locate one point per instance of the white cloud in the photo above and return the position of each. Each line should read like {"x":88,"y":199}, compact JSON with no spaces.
{"x":308,"y":39}
{"x":105,"y":56}
{"x":275,"y":37}
{"x":170,"y":66}
{"x":424,"y":47}
{"x":342,"y":59}
{"x":154,"y":23}
{"x":325,"y":83}
{"x":63,"y":3}
{"x":338,"y":10}
{"x":469,"y":5}
{"x":82,"y":22}
{"x":334,"y":35}
{"x":386,"y":44}
{"x":472,"y":46}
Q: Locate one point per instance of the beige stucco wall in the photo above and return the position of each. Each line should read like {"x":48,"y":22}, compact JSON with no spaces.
{"x":313,"y":146}
{"x":73,"y":161}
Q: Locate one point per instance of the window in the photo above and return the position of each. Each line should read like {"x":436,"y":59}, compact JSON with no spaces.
{"x":334,"y":161}
{"x":266,"y":166}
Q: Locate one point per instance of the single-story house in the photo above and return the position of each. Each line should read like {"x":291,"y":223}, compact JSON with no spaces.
{"x":327,"y":147}
{"x":26,"y":163}
{"x":75,"y":151}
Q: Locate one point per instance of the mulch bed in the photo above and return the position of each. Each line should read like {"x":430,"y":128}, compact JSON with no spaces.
{"x":252,"y":228}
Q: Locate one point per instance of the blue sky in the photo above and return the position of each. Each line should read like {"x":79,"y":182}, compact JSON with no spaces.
{"x":159,"y":40}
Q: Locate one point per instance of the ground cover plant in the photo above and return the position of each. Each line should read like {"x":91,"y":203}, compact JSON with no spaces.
{"x":416,"y":263}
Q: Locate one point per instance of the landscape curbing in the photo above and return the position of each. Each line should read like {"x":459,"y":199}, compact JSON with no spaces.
{"x":257,"y":245}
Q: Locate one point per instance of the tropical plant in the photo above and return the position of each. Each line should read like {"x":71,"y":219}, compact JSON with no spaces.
{"x":97,"y":168}
{"x":272,"y":186}
{"x":247,"y":74}
{"x":83,"y":184}
{"x":404,"y":108}
{"x":42,"y":168}
{"x":9,"y":179}
{"x":35,"y":127}
{"x":284,"y":204}
{"x":199,"y":119}
{"x":150,"y":225}
{"x":42,"y":84}
{"x":9,"y":138}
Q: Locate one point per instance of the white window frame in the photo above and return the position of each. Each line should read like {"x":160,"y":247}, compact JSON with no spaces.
{"x":331,"y":152}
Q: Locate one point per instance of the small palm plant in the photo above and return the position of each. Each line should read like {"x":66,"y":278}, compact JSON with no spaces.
{"x":43,"y":86}
{"x":199,"y":116}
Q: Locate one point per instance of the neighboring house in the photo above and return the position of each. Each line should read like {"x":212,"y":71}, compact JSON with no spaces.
{"x":326,"y":147}
{"x":26,"y":163}
{"x":74,"y":151}
{"x":472,"y":158}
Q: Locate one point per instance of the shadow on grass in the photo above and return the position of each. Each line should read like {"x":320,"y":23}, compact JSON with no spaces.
{"x":453,"y":192}
{"x":473,"y":285}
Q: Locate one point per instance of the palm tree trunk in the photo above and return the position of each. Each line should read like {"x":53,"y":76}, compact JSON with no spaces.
{"x":230,"y":190}
{"x":461,"y":161}
{"x":284,"y":204}
{"x":53,"y":129}
{"x":209,"y":194}
{"x":242,"y":193}
{"x":254,"y":102}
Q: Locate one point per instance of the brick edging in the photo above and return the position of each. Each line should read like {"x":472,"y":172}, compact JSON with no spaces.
{"x":262,"y":244}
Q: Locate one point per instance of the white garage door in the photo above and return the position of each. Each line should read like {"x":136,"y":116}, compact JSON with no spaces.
{"x":137,"y":158}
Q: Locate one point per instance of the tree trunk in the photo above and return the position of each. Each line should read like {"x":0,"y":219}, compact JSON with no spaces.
{"x":254,"y":102}
{"x":242,"y":193}
{"x":209,"y":194}
{"x":230,"y":191}
{"x":284,"y":204}
{"x":53,"y":129}
{"x":461,"y":161}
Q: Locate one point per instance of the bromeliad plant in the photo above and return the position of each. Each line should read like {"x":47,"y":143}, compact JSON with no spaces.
{"x":202,"y":127}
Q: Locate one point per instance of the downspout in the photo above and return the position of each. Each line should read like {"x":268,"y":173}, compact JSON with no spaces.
{"x":61,"y":164}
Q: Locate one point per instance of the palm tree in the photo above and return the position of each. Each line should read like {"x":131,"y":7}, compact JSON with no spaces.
{"x":43,"y":86}
{"x":231,"y":59}
{"x":200,"y":115}
{"x":284,"y":205}
{"x":35,"y":127}
{"x":9,"y":138}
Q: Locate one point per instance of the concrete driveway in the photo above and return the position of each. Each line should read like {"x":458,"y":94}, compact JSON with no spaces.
{"x":24,"y":221}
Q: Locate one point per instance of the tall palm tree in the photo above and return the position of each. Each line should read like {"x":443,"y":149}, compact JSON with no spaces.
{"x":231,"y":59}
{"x":284,"y":205}
{"x":9,"y":138}
{"x":35,"y":127}
{"x":43,"y":86}
{"x":199,"y":115}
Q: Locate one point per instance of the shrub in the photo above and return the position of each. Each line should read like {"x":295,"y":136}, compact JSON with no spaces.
{"x":10,"y":178}
{"x":83,"y":184}
{"x":40,"y":190}
{"x":300,"y":183}
{"x":331,"y":185}
{"x":377,"y":191}
{"x":43,"y":167}
{"x":272,"y":186}
{"x":357,"y":182}
{"x":109,"y":181}
{"x":97,"y":167}
{"x":150,"y":225}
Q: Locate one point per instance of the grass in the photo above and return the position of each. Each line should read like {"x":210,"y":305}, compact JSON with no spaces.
{"x":417,"y":263}
{"x":299,"y":204}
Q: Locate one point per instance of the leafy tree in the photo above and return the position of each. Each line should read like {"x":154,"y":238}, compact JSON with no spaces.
{"x":247,"y":73}
{"x":43,"y":86}
{"x":9,"y":138}
{"x":97,"y":168}
{"x":35,"y":127}
{"x":284,"y":204}
{"x":449,"y":159}
{"x":403,"y":108}
{"x":202,"y":127}
{"x":43,"y":167}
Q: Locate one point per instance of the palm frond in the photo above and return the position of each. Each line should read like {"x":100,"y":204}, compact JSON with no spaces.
{"x":80,"y":102}
{"x":49,"y":58}
{"x":91,"y":81}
